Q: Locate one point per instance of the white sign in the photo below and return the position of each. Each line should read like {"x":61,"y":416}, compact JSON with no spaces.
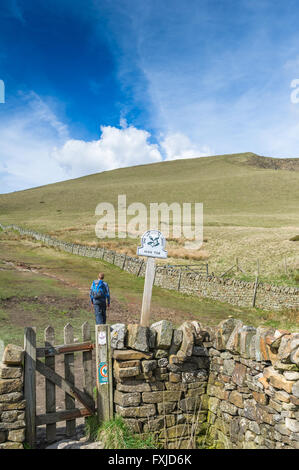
{"x":102,"y":338}
{"x":152,"y":244}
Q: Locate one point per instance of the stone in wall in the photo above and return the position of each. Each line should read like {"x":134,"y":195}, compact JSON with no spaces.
{"x":252,"y":390}
{"x":12,"y":403}
{"x":118,"y":335}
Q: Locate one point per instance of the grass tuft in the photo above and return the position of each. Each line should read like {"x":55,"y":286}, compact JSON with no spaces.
{"x":115,"y":434}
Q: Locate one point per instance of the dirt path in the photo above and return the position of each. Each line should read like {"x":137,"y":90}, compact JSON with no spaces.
{"x":119,"y":312}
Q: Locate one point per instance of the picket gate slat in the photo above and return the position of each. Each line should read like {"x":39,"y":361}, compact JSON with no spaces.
{"x":50,"y":387}
{"x":70,"y":377}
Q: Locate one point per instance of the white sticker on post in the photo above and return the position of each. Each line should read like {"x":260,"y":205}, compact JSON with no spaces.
{"x":102,"y":338}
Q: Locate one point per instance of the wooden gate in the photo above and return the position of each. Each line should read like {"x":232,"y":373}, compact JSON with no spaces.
{"x":42,"y":360}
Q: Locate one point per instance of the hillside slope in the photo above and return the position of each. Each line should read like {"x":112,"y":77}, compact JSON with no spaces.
{"x":250,"y":206}
{"x":241,"y":189}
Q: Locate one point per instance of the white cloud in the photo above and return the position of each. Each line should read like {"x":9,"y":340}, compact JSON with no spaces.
{"x":178,"y":145}
{"x":27,"y":137}
{"x":36,"y":148}
{"x":116,"y":148}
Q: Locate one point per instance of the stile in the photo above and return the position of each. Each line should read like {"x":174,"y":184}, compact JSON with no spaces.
{"x":30,"y":385}
{"x":69,"y":376}
{"x":50,"y":387}
{"x":87,"y":361}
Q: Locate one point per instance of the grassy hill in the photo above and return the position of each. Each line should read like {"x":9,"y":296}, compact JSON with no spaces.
{"x":235,"y":189}
{"x":251,"y":204}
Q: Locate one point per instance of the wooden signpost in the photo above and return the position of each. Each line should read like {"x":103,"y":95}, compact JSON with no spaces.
{"x":152,"y":246}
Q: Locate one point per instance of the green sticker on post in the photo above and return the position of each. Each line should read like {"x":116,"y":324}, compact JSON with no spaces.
{"x":103,"y":373}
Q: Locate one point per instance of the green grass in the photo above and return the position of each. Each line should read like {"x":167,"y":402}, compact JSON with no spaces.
{"x":115,"y":434}
{"x":58,"y":293}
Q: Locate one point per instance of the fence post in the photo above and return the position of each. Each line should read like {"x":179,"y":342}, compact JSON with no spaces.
{"x":179,"y":283}
{"x":104,"y":373}
{"x":30,"y":385}
{"x":140,"y":267}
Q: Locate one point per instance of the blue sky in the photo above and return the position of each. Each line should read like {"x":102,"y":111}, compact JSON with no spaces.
{"x":92,"y":85}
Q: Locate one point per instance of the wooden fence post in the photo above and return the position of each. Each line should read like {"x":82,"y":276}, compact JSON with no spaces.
{"x":30,"y":385}
{"x":140,"y":267}
{"x":104,"y":373}
{"x":50,"y":387}
{"x":179,"y":282}
{"x":70,"y":377}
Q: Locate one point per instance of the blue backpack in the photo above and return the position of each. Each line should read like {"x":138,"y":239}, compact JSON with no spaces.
{"x":98,"y":290}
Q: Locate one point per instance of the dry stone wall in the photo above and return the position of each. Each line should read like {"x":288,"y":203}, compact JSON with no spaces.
{"x":233,"y":291}
{"x":160,"y":381}
{"x":12,"y":403}
{"x":253,"y":387}
{"x":232,"y":386}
